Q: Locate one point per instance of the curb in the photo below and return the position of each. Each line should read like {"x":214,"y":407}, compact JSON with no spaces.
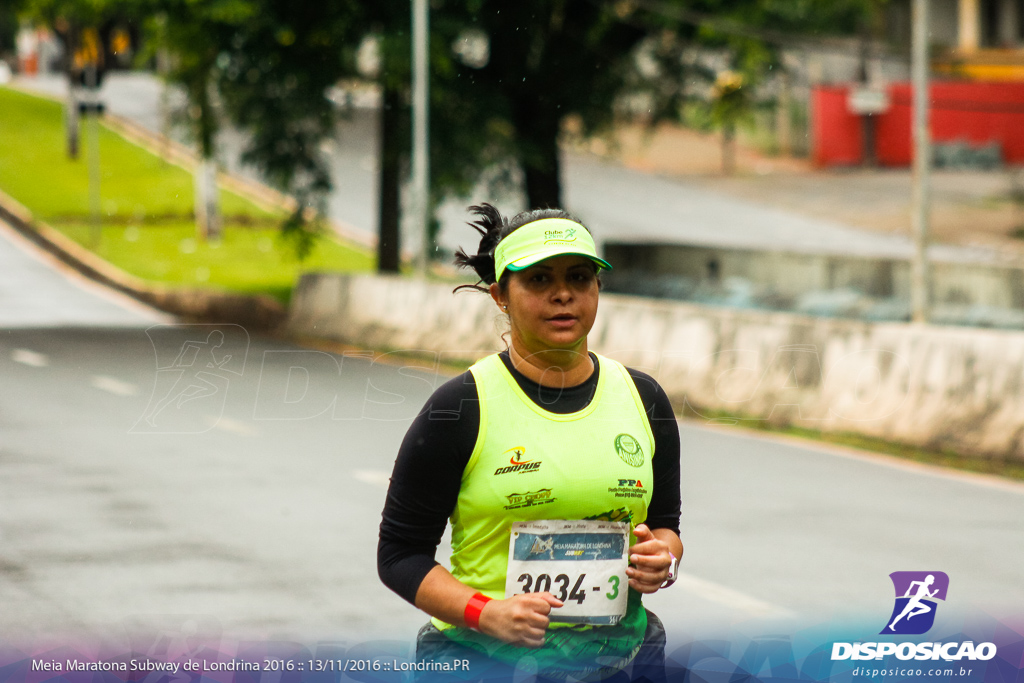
{"x":261,"y":313}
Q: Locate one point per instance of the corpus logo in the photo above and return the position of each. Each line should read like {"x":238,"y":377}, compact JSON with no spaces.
{"x":516,"y":462}
{"x":916,"y":593}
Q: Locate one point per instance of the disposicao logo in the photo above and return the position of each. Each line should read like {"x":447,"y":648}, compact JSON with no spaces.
{"x":914,"y":614}
{"x":916,"y":593}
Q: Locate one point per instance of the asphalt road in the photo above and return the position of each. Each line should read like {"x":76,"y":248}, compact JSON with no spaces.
{"x":153,"y":473}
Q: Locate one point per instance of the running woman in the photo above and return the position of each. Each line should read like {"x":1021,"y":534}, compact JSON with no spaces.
{"x":543,"y":432}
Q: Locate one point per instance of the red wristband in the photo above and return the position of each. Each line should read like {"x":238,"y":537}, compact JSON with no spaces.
{"x":473,"y":609}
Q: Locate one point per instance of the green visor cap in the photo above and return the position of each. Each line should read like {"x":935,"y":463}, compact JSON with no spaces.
{"x":541,"y":240}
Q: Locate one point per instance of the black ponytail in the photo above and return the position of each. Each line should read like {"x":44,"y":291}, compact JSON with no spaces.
{"x":489,"y":225}
{"x":493,"y":228}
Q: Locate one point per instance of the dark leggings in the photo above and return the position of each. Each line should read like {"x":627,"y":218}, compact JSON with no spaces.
{"x":434,"y":648}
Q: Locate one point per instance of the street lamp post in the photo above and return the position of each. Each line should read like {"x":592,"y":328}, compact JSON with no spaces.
{"x":420,"y":113}
{"x":920,"y":191}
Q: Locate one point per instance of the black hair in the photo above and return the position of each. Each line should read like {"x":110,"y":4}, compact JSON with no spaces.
{"x":493,"y":228}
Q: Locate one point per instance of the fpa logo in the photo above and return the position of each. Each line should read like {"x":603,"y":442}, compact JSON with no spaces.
{"x":916,"y":595}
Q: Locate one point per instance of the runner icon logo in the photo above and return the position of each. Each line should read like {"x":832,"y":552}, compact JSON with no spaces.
{"x":559,"y":236}
{"x":916,"y":595}
{"x":543,"y":545}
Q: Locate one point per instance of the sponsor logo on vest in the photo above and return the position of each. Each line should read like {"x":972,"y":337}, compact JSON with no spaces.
{"x":559,"y":236}
{"x":529,"y":499}
{"x":516,"y":462}
{"x":628,"y":488}
{"x":629,"y":450}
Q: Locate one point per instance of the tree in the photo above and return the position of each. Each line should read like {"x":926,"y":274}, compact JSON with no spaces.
{"x":274,"y":72}
{"x":730,"y":104}
{"x":194,"y":32}
{"x":8,"y":26}
{"x":76,"y":23}
{"x":550,"y":59}
{"x":506,"y":104}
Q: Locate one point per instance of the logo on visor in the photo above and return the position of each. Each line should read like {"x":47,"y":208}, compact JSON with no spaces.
{"x":916,"y":595}
{"x":560,"y":236}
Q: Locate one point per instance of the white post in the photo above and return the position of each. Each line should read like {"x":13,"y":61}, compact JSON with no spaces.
{"x":420,"y":113}
{"x":92,"y":100}
{"x":920,"y":199}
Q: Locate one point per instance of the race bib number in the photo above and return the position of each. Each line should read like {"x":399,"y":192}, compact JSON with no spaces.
{"x":582,"y":563}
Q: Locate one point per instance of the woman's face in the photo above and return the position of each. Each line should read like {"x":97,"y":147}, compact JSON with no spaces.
{"x":552,"y":304}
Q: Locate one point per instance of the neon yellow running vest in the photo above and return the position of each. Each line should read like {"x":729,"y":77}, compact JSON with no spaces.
{"x":529,"y":463}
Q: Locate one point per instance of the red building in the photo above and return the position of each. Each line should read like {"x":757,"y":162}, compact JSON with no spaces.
{"x":978,"y":48}
{"x":976,"y":113}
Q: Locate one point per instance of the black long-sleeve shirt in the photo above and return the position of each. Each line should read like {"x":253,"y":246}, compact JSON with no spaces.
{"x":428,"y":472}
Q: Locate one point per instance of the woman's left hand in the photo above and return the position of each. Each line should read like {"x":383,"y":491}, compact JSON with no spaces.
{"x":649,"y":561}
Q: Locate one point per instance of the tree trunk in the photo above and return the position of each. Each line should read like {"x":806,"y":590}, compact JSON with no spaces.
{"x":207,"y":204}
{"x":389,"y":255}
{"x":783,"y":122}
{"x":539,"y":157}
{"x":728,"y":148}
{"x":543,"y":187}
{"x":207,"y":198}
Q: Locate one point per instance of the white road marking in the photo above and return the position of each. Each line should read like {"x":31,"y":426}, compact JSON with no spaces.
{"x":730,"y":598}
{"x":377,"y":477}
{"x":233,"y":426}
{"x":36,"y":360}
{"x":114,"y":386}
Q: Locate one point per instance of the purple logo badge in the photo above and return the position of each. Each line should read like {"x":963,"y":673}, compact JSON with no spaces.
{"x":916,"y":593}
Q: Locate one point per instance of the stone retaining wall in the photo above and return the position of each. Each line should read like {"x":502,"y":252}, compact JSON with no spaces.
{"x":931,"y":386}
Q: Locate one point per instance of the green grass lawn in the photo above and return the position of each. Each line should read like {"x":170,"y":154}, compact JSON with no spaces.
{"x":147,"y":227}
{"x":249,"y":260}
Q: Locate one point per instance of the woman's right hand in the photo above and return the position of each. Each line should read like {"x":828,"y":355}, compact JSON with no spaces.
{"x":520,"y":620}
